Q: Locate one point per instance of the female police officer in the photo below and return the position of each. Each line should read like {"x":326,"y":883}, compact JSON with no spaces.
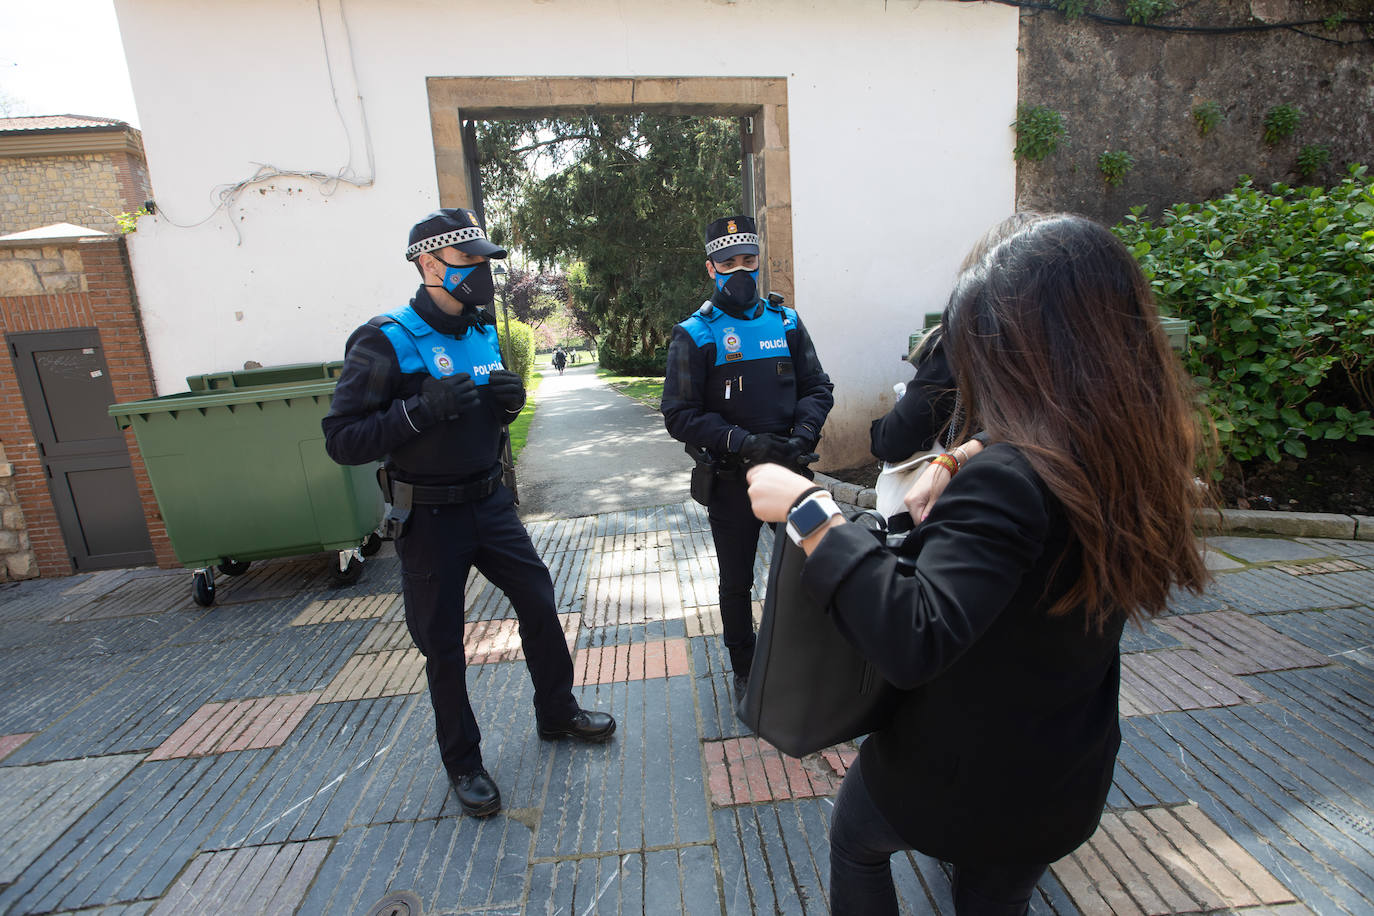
{"x":425,"y":388}
{"x":743,"y":386}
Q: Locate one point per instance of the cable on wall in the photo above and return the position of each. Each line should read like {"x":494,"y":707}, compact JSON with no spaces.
{"x":328,"y":181}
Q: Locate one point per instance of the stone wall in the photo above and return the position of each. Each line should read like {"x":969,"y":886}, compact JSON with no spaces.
{"x":84,"y":189}
{"x":16,"y":554}
{"x":1121,"y":87}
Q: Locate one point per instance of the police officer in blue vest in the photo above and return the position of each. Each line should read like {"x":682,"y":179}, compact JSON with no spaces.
{"x":743,"y":387}
{"x":425,"y":388}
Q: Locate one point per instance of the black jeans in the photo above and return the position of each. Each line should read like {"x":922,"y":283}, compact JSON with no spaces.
{"x":861,"y":846}
{"x":735,"y":531}
{"x":440,"y":546}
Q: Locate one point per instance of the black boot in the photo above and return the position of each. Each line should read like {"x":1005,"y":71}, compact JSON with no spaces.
{"x":476,"y":792}
{"x":584,"y":726}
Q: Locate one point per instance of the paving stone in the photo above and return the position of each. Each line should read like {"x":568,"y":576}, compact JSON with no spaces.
{"x":9,"y":742}
{"x":653,"y":766}
{"x":487,"y":642}
{"x":705,"y":620}
{"x":1148,"y":637}
{"x":1175,"y":679}
{"x":748,"y":770}
{"x":608,"y":884}
{"x":133,"y":843}
{"x":1217,"y":562}
{"x":377,"y":674}
{"x":239,"y":725}
{"x":333,"y":610}
{"x":1290,"y":524}
{"x":43,"y":800}
{"x":1241,"y":644}
{"x":621,"y":600}
{"x":1165,"y":860}
{"x":1266,"y":591}
{"x":635,"y":661}
{"x":385,"y":636}
{"x":38,"y":686}
{"x":259,"y":879}
{"x":715,"y":689}
{"x":1264,"y":550}
{"x":1344,"y":635}
{"x":453,"y":865}
{"x":1185,"y":602}
{"x":1319,"y":567}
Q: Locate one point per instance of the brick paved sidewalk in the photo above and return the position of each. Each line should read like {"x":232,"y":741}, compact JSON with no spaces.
{"x":276,"y":754}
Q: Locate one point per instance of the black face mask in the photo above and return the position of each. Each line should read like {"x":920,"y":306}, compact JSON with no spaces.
{"x":469,"y":284}
{"x":737,"y":290}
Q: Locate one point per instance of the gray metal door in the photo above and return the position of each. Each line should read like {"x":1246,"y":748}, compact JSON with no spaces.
{"x":66,"y":389}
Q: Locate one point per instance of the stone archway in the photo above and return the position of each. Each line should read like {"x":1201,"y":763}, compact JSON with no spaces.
{"x":455,"y":99}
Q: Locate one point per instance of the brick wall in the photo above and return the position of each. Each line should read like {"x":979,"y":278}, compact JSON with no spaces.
{"x":87,"y":189}
{"x":73,"y":284}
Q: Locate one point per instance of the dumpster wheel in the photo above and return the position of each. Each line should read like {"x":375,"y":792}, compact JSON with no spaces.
{"x":232,"y":567}
{"x":371,"y":544}
{"x":203,"y":587}
{"x":350,"y":571}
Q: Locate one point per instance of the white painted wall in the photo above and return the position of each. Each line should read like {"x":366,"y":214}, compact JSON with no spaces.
{"x":898,"y":112}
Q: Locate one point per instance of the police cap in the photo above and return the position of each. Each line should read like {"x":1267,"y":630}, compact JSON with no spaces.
{"x":451,"y":227}
{"x":731,"y":235}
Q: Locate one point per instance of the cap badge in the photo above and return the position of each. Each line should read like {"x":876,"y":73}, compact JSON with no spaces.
{"x":442,"y":361}
{"x":731,"y":228}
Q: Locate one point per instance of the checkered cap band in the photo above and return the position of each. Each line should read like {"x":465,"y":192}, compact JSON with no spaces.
{"x":435,"y":242}
{"x":734,"y":238}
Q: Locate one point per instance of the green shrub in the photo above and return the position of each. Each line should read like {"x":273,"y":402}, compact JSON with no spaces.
{"x":1206,"y":116}
{"x":1072,"y":9}
{"x":1038,"y":131}
{"x":1142,"y":11}
{"x":1277,"y":288}
{"x":1114,"y":164}
{"x":1280,"y":122}
{"x":519,"y":350}
{"x":636,"y":364}
{"x":1312,"y":159}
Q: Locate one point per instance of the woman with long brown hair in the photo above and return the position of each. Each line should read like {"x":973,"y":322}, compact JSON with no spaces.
{"x":1074,"y":519}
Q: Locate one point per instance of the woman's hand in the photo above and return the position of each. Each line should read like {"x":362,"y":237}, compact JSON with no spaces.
{"x":773,"y":489}
{"x":933,"y":480}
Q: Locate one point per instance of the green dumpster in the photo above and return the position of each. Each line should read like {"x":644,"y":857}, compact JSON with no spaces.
{"x":240,"y":473}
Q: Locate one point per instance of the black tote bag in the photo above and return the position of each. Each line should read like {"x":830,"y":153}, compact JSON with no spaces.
{"x":809,"y":688}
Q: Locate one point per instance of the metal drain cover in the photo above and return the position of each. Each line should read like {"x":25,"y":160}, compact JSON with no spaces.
{"x":396,"y":903}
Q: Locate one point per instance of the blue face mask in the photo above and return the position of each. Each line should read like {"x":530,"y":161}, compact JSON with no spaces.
{"x":739,"y":288}
{"x":471,"y":284}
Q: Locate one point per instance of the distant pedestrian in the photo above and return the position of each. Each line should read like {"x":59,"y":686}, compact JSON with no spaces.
{"x":560,"y":359}
{"x":425,"y":388}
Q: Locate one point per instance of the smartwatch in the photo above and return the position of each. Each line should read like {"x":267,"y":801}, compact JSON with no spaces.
{"x":810,"y":515}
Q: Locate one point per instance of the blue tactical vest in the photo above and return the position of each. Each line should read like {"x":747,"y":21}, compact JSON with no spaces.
{"x":454,"y":450}
{"x":420,"y":348}
{"x":752,"y":382}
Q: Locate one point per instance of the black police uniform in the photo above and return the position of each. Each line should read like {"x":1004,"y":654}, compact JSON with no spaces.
{"x":731,"y":373}
{"x":462,"y":515}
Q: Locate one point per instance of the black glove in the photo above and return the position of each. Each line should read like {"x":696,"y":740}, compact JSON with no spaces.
{"x":760,"y":448}
{"x":801,"y":451}
{"x":448,"y":398}
{"x":507,"y":391}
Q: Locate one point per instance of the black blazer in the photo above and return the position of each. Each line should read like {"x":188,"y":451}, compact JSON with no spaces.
{"x":1002,"y":748}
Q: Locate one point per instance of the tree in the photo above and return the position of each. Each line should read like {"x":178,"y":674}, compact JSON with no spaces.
{"x":626,"y":195}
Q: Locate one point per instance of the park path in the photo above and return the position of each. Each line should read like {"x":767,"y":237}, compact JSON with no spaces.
{"x":593,"y":450}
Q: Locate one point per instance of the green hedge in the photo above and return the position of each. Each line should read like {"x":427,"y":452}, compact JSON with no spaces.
{"x":1277,"y":287}
{"x":637,"y":364}
{"x":519,"y":350}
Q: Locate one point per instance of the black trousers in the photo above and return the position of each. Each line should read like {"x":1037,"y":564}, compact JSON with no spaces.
{"x":861,"y":846}
{"x":440,"y":546}
{"x":735,"y":531}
